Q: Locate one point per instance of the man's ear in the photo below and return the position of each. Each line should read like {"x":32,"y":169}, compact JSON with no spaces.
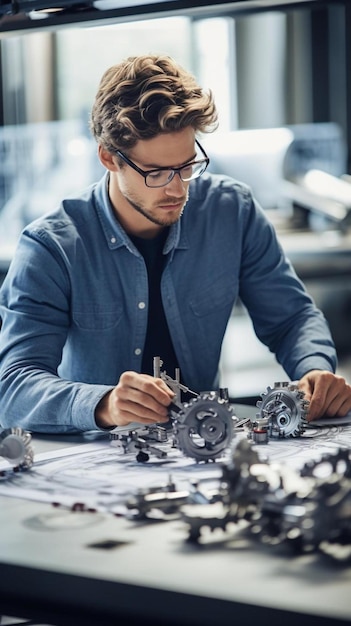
{"x":107,"y":159}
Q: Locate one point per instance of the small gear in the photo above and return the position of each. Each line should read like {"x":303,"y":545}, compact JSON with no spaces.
{"x":204,"y":427}
{"x":15,"y":448}
{"x":286,"y":409}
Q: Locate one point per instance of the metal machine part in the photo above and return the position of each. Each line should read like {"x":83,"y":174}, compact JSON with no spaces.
{"x":316,"y":517}
{"x":139,"y":443}
{"x":260,"y":430}
{"x":15,"y":448}
{"x":308,"y":510}
{"x":173,"y":383}
{"x":165,"y":500}
{"x":203,"y":428}
{"x":285,"y":408}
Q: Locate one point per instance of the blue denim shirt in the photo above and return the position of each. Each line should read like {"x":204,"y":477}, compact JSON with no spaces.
{"x":74,"y":303}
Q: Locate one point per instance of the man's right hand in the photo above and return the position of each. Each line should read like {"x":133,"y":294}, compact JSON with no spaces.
{"x":136,"y":398}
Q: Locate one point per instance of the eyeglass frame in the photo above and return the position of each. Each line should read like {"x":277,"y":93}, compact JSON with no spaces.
{"x":174,"y":170}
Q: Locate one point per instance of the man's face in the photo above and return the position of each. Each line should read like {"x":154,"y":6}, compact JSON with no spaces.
{"x":139,"y":207}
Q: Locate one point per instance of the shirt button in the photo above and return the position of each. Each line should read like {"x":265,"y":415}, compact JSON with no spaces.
{"x":137,"y":351}
{"x":141,"y":305}
{"x":113,"y":239}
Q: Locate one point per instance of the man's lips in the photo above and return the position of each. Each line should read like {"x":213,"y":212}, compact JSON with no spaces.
{"x":172,"y":207}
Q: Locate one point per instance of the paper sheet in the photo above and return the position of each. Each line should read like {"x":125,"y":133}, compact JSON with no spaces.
{"x":98,"y":476}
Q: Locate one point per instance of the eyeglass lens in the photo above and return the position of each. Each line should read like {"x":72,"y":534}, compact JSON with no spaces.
{"x":159,"y":178}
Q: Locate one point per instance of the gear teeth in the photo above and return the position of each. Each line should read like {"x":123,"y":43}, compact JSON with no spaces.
{"x":26,"y":457}
{"x":286,"y":408}
{"x":203,"y":429}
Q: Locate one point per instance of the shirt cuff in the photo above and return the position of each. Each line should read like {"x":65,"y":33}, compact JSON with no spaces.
{"x":84,"y":405}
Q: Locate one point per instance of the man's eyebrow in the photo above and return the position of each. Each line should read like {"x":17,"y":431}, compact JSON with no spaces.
{"x":154,"y":166}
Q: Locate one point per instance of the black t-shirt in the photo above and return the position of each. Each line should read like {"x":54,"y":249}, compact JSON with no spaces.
{"x":158,"y":340}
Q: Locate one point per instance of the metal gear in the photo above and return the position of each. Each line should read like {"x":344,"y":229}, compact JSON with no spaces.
{"x":203,"y":428}
{"x":325,"y":524}
{"x":15,"y":448}
{"x":337,"y":463}
{"x":286,"y":409}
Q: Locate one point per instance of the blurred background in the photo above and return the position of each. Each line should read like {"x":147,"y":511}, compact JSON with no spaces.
{"x":280,"y":72}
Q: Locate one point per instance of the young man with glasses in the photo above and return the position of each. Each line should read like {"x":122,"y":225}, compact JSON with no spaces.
{"x":149,"y":262}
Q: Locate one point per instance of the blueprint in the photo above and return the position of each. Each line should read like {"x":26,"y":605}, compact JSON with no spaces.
{"x":98,"y":476}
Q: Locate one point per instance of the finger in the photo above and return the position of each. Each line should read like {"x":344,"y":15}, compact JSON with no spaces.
{"x":146,"y":385}
{"x":331,"y":397}
{"x":149,"y":409}
{"x":318,"y":401}
{"x":140,"y":402}
{"x":135,"y":413}
{"x":320,"y":388}
{"x":305,"y":387}
{"x":141,"y":398}
{"x":338,"y":406}
{"x":162,"y":385}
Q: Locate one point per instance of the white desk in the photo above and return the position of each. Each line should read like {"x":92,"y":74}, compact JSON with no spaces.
{"x":50,"y":570}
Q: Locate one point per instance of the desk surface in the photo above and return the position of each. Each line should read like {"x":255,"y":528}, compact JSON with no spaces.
{"x":93,"y":568}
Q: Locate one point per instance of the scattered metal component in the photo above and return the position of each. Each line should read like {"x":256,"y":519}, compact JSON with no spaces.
{"x":309,"y":510}
{"x":260,"y":430}
{"x":16,"y":449}
{"x":242,"y":424}
{"x":285,"y":409}
{"x":166,"y":499}
{"x":135,"y":442}
{"x":174,"y":383}
{"x":203,"y":428}
{"x":156,"y":432}
{"x":317,"y":517}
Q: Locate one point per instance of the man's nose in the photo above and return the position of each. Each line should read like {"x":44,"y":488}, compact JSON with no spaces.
{"x":176,"y":185}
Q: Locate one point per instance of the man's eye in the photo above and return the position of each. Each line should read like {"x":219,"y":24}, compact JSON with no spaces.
{"x":187,"y":170}
{"x":157,"y":175}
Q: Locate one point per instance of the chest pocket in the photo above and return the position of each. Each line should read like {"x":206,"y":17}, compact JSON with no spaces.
{"x":98,"y":317}
{"x":215,"y":297}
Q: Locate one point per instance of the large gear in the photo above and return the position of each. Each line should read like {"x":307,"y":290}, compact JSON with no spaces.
{"x":203,"y":428}
{"x":285,"y":408}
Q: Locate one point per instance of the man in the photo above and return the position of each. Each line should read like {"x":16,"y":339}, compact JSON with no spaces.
{"x":149,"y":262}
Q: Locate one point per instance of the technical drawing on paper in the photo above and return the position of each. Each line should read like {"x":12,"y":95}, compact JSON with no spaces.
{"x":101,"y":478}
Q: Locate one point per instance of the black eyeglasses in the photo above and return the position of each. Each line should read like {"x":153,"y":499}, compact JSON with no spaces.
{"x":163,"y":175}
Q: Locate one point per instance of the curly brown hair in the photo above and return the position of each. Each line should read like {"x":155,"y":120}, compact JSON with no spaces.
{"x":147,"y":95}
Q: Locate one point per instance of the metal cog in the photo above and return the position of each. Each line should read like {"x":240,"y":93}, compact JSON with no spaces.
{"x":286,"y":409}
{"x":337,"y":463}
{"x":204,"y":427}
{"x":15,"y":448}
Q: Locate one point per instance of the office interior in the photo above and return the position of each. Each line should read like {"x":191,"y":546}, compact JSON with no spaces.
{"x":280,"y":73}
